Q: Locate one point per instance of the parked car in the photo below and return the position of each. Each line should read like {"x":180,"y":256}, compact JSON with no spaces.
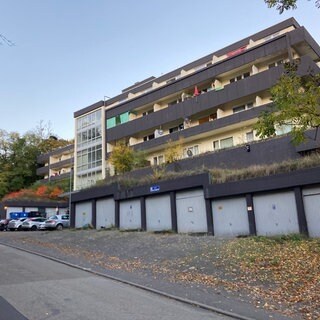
{"x":15,"y":224}
{"x":32,"y":224}
{"x":4,"y":224}
{"x":57,"y":222}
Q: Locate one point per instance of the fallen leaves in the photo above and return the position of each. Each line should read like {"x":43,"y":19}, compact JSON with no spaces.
{"x":280,"y":274}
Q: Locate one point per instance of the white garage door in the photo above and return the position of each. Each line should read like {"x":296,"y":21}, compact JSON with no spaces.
{"x":311,"y":200}
{"x":191,"y":211}
{"x":105,"y":213}
{"x":83,"y":214}
{"x":230,"y":217}
{"x":158,"y":211}
{"x":130,"y":214}
{"x":276,"y":214}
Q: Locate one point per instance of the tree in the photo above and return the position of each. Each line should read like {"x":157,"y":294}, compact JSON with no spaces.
{"x":173,"y":150}
{"x":296,"y":103}
{"x":122,"y":158}
{"x":282,"y":5}
{"x":18,"y":158}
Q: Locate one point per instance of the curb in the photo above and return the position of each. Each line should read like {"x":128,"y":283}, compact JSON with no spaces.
{"x":155,"y":291}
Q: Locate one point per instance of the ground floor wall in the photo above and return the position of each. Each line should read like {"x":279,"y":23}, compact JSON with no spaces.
{"x":278,"y":205}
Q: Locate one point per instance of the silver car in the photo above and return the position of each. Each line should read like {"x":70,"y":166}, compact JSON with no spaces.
{"x":57,"y":222}
{"x":32,"y":224}
{"x":15,"y":224}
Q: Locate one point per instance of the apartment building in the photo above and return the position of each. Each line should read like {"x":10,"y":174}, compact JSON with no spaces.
{"x":213,"y":102}
{"x":57,"y":164}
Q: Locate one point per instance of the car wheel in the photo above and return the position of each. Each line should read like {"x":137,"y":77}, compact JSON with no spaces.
{"x":33,"y":228}
{"x":19,"y":228}
{"x":11,"y":229}
{"x":59,"y":227}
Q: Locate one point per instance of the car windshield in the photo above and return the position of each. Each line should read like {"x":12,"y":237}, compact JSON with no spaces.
{"x":53,"y":218}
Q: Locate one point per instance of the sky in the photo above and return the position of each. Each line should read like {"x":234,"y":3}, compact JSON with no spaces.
{"x":69,"y":54}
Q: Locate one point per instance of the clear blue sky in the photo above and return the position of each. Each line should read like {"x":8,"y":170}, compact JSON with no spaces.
{"x":69,"y":54}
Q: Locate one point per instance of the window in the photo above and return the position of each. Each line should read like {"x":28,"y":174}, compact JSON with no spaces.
{"x":275,"y":64}
{"x":249,"y":136}
{"x":239,"y":109}
{"x":240,"y":77}
{"x":149,"y":137}
{"x":216,"y":145}
{"x":191,"y":151}
{"x":158,"y":160}
{"x":226,"y":143}
{"x":178,"y":128}
{"x":147,"y":112}
{"x":243,"y":107}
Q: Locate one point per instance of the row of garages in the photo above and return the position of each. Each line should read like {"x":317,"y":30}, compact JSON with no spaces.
{"x":267,"y":214}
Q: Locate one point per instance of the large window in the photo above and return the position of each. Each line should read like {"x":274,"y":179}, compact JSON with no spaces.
{"x":89,"y":149}
{"x":223,"y":143}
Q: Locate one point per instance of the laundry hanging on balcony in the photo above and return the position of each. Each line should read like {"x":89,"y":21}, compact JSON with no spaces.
{"x":196,"y":91}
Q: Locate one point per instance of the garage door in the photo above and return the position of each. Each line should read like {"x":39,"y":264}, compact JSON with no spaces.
{"x":158,"y":211}
{"x":276,"y":214}
{"x":105,"y":213}
{"x":83,"y":214}
{"x":130,"y":214}
{"x":230,"y":217}
{"x":191,"y":211}
{"x":311,"y":200}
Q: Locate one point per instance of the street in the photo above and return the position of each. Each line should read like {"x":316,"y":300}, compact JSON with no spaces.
{"x":34,"y":288}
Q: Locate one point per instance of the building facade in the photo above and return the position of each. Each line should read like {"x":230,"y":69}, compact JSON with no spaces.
{"x":213,"y":103}
{"x":57,"y":164}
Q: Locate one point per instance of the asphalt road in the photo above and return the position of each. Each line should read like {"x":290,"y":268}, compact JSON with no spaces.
{"x":34,"y":288}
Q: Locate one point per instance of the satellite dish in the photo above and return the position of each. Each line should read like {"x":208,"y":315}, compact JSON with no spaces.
{"x":189,"y":153}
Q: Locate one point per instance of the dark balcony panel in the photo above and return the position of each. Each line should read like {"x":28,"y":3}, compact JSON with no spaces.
{"x":43,"y":171}
{"x":62,"y":164}
{"x":269,"y":48}
{"x":43,"y":158}
{"x":208,"y":101}
{"x":59,"y":177}
{"x":203,"y":102}
{"x":203,"y":128}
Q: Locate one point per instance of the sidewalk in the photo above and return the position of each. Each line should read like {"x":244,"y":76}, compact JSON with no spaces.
{"x":189,"y":267}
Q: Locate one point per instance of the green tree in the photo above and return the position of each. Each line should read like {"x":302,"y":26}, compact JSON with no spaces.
{"x":122,"y":158}
{"x":173,"y":150}
{"x":18,"y":158}
{"x":283,"y":5}
{"x":296,"y":102}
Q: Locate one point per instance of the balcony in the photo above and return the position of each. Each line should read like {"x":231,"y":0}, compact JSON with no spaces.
{"x":68,"y":163}
{"x":206,"y":101}
{"x":43,"y":171}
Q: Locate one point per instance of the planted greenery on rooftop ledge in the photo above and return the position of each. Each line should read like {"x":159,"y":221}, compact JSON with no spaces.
{"x":217,"y":175}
